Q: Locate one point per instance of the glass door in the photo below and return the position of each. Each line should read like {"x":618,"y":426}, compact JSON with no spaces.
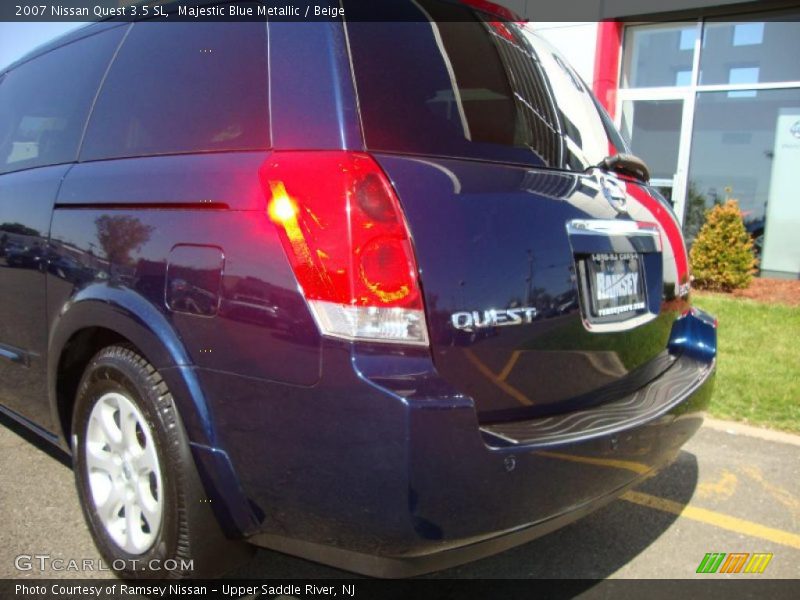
{"x":653,"y":129}
{"x":656,"y":101}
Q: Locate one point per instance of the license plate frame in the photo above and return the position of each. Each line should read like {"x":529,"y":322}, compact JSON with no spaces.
{"x":615,"y":286}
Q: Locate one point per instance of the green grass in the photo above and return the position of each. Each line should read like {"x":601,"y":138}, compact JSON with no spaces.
{"x":758,"y":368}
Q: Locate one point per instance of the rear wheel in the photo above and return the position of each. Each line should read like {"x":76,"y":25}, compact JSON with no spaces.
{"x":140,"y":491}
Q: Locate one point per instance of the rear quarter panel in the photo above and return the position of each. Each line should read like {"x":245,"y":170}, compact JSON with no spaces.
{"x":118,"y":222}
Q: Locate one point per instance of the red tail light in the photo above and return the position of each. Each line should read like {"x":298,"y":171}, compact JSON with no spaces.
{"x":344,"y":233}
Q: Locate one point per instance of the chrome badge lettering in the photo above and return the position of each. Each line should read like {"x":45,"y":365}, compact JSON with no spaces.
{"x":614,"y":192}
{"x":470,"y":321}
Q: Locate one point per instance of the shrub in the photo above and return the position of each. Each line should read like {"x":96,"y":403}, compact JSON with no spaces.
{"x":722,"y":254}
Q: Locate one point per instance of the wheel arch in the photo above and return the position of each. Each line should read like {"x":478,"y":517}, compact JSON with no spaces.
{"x":101,"y":315}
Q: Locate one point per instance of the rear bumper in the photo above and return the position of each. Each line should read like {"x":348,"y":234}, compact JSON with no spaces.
{"x":675,"y":384}
{"x":388,"y":473}
{"x":411,"y":566}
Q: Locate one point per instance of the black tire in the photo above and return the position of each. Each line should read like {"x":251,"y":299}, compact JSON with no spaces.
{"x":188,"y":530}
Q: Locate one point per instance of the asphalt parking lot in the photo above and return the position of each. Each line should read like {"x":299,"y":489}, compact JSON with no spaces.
{"x":728,"y":492}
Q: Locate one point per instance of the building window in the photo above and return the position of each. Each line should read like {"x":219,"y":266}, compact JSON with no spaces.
{"x":738,"y":151}
{"x":748,"y":34}
{"x":654,"y":54}
{"x":772,"y":46}
{"x":720,"y":120}
{"x":687,"y":38}
{"x":683,"y":77}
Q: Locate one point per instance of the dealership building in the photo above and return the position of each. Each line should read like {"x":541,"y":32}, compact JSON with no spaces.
{"x":709,"y":96}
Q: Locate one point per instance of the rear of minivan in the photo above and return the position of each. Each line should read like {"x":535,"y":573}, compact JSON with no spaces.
{"x":516,"y":314}
{"x":410,"y":310}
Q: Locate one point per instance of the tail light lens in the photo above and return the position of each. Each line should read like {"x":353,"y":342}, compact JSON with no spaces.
{"x":344,"y":233}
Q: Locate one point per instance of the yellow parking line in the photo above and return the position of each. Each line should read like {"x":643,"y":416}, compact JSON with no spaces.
{"x":487,"y":372}
{"x":717,"y":519}
{"x":509,"y":365}
{"x":701,"y":515}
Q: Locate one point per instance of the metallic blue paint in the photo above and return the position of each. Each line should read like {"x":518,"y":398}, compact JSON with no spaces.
{"x":313,"y":103}
{"x":194,"y":280}
{"x":227,"y":179}
{"x":228,"y":501}
{"x":492,"y":236}
{"x":26,"y":206}
{"x":695,"y":334}
{"x":136,"y":319}
{"x":365,"y":448}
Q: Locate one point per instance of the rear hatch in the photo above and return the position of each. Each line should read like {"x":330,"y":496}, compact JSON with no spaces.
{"x":549,"y":285}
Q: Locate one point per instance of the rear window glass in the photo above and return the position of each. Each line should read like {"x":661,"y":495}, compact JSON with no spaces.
{"x":183,"y":87}
{"x":44,"y":102}
{"x":589,"y":134}
{"x":450,"y":81}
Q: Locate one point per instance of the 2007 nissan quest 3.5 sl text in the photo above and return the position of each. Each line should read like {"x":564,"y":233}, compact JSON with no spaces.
{"x":387,"y":293}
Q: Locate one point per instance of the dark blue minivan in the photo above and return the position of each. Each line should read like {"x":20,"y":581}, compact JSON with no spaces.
{"x":386,"y":291}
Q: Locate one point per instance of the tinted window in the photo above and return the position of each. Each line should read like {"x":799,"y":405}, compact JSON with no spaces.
{"x":460,"y":84}
{"x":183,"y":87}
{"x":44,"y":103}
{"x":616,"y":142}
{"x":457,"y":85}
{"x":588,"y":132}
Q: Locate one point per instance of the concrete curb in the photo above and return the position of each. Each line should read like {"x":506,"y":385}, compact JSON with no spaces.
{"x":735,"y":428}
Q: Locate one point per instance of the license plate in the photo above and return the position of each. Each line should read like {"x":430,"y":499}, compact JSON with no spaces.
{"x":616,"y":284}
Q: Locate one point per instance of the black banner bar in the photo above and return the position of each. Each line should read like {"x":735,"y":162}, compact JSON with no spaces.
{"x":706,"y":587}
{"x":324,"y":10}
